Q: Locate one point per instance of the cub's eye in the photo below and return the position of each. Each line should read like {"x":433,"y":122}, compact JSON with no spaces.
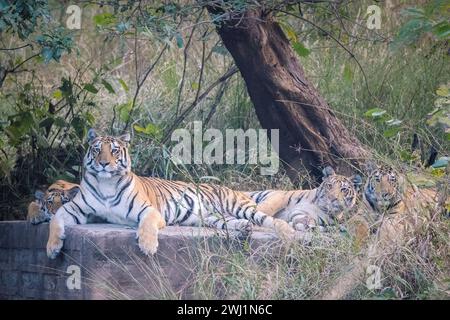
{"x":115,"y":150}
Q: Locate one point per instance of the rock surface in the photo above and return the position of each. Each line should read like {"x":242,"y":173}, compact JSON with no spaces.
{"x":103,"y":261}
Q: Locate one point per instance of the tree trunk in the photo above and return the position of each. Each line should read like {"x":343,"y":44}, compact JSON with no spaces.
{"x":311,"y":136}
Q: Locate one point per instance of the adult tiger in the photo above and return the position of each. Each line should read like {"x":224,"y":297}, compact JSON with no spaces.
{"x":318,"y":207}
{"x":48,"y":202}
{"x":110,"y":190}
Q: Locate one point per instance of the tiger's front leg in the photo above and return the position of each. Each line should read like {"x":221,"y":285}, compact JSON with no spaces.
{"x":149,"y":224}
{"x":71,"y":213}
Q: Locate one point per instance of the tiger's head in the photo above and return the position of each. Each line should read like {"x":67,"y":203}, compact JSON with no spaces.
{"x":337,"y":194}
{"x":384,"y":188}
{"x":107,"y":156}
{"x":47,"y":203}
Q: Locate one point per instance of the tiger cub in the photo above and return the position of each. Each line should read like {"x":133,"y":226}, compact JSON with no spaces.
{"x":392,"y":206}
{"x":47,"y":202}
{"x":319,"y":207}
{"x":110,"y":190}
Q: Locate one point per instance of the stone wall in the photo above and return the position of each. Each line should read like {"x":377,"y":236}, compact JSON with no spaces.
{"x":107,"y":258}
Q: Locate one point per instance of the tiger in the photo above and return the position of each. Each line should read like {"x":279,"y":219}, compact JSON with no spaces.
{"x":109,"y":189}
{"x":392,"y":206}
{"x":315,"y":208}
{"x":47,"y":202}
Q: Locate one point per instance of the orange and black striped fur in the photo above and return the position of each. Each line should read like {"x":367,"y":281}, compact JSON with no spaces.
{"x":392,"y":206}
{"x":111,"y":191}
{"x":48,"y":202}
{"x":319,"y":207}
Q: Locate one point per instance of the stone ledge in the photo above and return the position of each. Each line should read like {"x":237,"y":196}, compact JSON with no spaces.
{"x":105,"y":253}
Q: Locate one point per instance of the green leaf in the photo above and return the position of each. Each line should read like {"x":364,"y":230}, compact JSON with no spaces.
{"x":46,"y":122}
{"x":108,"y":86}
{"x":289,"y":31}
{"x":47,"y":54}
{"x":375,"y":112}
{"x":393,"y":122}
{"x":442,"y":162}
{"x":442,"y":30}
{"x":443,"y":91}
{"x":179,"y":40}
{"x":194,"y":85}
{"x":104,"y":19}
{"x":348,"y":74}
{"x":90,"y":118}
{"x":91,"y":88}
{"x":60,"y":122}
{"x":413,"y":12}
{"x":42,"y":141}
{"x":57,"y":94}
{"x":301,"y":50}
{"x":388,"y":133}
{"x":79,"y":125}
{"x":124,"y":85}
{"x":150,"y":129}
{"x":124,"y":110}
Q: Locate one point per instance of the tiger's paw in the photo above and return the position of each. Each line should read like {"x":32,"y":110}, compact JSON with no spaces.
{"x":34,"y":215}
{"x":300,"y":227}
{"x":55,"y":240}
{"x":39,"y":219}
{"x":244,"y":226}
{"x":148,"y":241}
{"x":283,"y":229}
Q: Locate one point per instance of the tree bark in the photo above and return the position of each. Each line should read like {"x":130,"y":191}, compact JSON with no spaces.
{"x":311,"y":136}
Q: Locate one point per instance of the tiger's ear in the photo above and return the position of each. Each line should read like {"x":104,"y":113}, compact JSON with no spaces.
{"x":125,"y":138}
{"x":91,"y":135}
{"x":39,"y":195}
{"x":328,"y":171}
{"x":370,"y":166}
{"x":72,"y":192}
{"x":357,"y":181}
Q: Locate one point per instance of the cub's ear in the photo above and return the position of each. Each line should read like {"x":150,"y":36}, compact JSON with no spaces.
{"x":91,"y":135}
{"x":370,"y":166}
{"x":357,"y":181}
{"x":39,"y":195}
{"x":125,"y":138}
{"x":72,"y":192}
{"x":328,"y":171}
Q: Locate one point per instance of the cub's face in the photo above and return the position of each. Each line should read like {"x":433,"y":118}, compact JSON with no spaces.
{"x":337,"y":193}
{"x":107,"y":156}
{"x":384,"y":188}
{"x":47,"y":203}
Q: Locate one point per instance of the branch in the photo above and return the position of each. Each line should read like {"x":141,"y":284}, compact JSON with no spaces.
{"x":230,"y":72}
{"x":341,"y":45}
{"x":140,"y":84}
{"x":17,"y":48}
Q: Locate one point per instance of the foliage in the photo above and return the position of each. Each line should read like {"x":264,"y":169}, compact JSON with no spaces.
{"x":432,"y":18}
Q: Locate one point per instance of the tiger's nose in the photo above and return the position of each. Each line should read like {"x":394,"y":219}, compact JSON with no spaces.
{"x":103,"y":163}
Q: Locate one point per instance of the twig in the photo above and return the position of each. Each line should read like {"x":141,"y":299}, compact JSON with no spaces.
{"x":185,"y":56}
{"x":140,"y":84}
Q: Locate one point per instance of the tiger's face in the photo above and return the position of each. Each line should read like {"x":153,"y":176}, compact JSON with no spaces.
{"x":47,"y":203}
{"x":337,"y":194}
{"x":384,"y":188}
{"x":107,"y":156}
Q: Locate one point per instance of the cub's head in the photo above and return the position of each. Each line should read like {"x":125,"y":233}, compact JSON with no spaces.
{"x":47,"y":203}
{"x":107,"y":156}
{"x":384,"y":188}
{"x":337,"y":194}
